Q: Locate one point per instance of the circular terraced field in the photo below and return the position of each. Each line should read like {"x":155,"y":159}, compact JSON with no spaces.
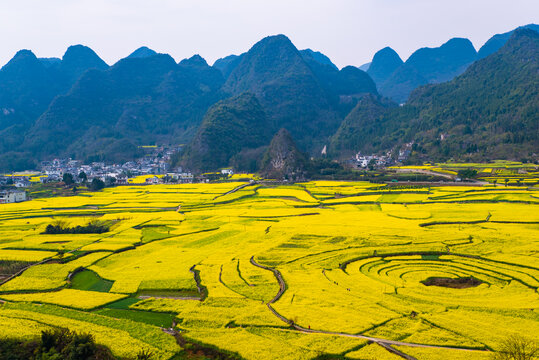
{"x":457,"y":280}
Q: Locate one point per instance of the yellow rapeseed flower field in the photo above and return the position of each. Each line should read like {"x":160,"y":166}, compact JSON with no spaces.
{"x":287,"y":271}
{"x":72,"y":298}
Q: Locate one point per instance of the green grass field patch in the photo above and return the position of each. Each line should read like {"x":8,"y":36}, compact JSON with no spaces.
{"x":123,"y":304}
{"x":147,"y":317}
{"x":89,"y":280}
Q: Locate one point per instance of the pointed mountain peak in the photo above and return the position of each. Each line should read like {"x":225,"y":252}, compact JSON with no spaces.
{"x":355,"y":81}
{"x":81,"y":53}
{"x":384,"y":63}
{"x":283,"y":136}
{"x":142,"y":52}
{"x":221,"y":62}
{"x":24,"y":55}
{"x":365,"y":67}
{"x":459,"y":43}
{"x":157,"y":64}
{"x":522,"y":41}
{"x":279,"y":38}
{"x":387,"y":53}
{"x":274,"y":43}
{"x":229,"y":126}
{"x":453,"y":47}
{"x":194,"y":61}
{"x":23,"y":59}
{"x":227,"y":64}
{"x":78,"y":59}
{"x":270,"y":58}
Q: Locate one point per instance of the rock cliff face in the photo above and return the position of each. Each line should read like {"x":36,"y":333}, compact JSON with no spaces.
{"x":283,"y":160}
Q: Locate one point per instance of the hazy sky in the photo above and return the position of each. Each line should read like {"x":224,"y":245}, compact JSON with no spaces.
{"x":348,"y":31}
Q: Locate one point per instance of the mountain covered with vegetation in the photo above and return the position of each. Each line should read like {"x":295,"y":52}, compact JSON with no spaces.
{"x":488,"y":112}
{"x":28,"y":84}
{"x":229,"y":127}
{"x":427,"y":66}
{"x":139,"y":100}
{"x":383,"y":65}
{"x":80,"y":107}
{"x":294,"y":98}
{"x":396,"y":79}
{"x":351,"y":135}
{"x":497,"y":41}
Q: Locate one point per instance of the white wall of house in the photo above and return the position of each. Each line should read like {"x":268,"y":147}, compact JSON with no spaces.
{"x":12,"y":197}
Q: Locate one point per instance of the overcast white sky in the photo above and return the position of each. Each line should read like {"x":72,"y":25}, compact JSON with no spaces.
{"x":348,"y":31}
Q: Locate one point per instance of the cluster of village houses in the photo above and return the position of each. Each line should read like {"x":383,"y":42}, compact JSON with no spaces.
{"x":156,"y":163}
{"x":379,"y":161}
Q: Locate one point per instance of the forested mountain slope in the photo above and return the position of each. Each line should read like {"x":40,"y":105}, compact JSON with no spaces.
{"x":489,"y":112}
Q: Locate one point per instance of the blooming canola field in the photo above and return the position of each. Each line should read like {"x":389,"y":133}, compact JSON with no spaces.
{"x":279,"y":271}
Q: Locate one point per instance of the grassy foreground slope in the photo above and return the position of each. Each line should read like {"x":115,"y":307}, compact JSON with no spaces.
{"x":337,"y":262}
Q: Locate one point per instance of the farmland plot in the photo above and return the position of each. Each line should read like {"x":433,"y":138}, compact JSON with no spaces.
{"x":279,"y":271}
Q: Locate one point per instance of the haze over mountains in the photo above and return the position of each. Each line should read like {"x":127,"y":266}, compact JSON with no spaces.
{"x":78,"y":106}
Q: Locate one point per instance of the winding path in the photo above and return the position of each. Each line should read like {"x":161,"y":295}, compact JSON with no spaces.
{"x":239,"y":187}
{"x":387,"y":344}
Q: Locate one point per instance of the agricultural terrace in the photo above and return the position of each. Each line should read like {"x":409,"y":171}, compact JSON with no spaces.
{"x":267,"y":271}
{"x":501,"y":172}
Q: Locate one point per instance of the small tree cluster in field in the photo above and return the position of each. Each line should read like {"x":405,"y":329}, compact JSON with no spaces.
{"x":56,"y":344}
{"x":62,"y":227}
{"x":467,"y":173}
{"x":60,"y":344}
{"x":517,"y":348}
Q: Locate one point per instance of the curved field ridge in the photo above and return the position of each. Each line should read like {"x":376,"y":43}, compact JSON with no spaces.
{"x":502,"y":285}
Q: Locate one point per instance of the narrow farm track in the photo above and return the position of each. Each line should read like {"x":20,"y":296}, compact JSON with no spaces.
{"x":396,"y":352}
{"x":237,"y":188}
{"x":427,"y":172}
{"x":386,"y":344}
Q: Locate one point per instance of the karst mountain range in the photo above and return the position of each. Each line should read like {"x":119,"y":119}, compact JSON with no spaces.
{"x":451,"y":102}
